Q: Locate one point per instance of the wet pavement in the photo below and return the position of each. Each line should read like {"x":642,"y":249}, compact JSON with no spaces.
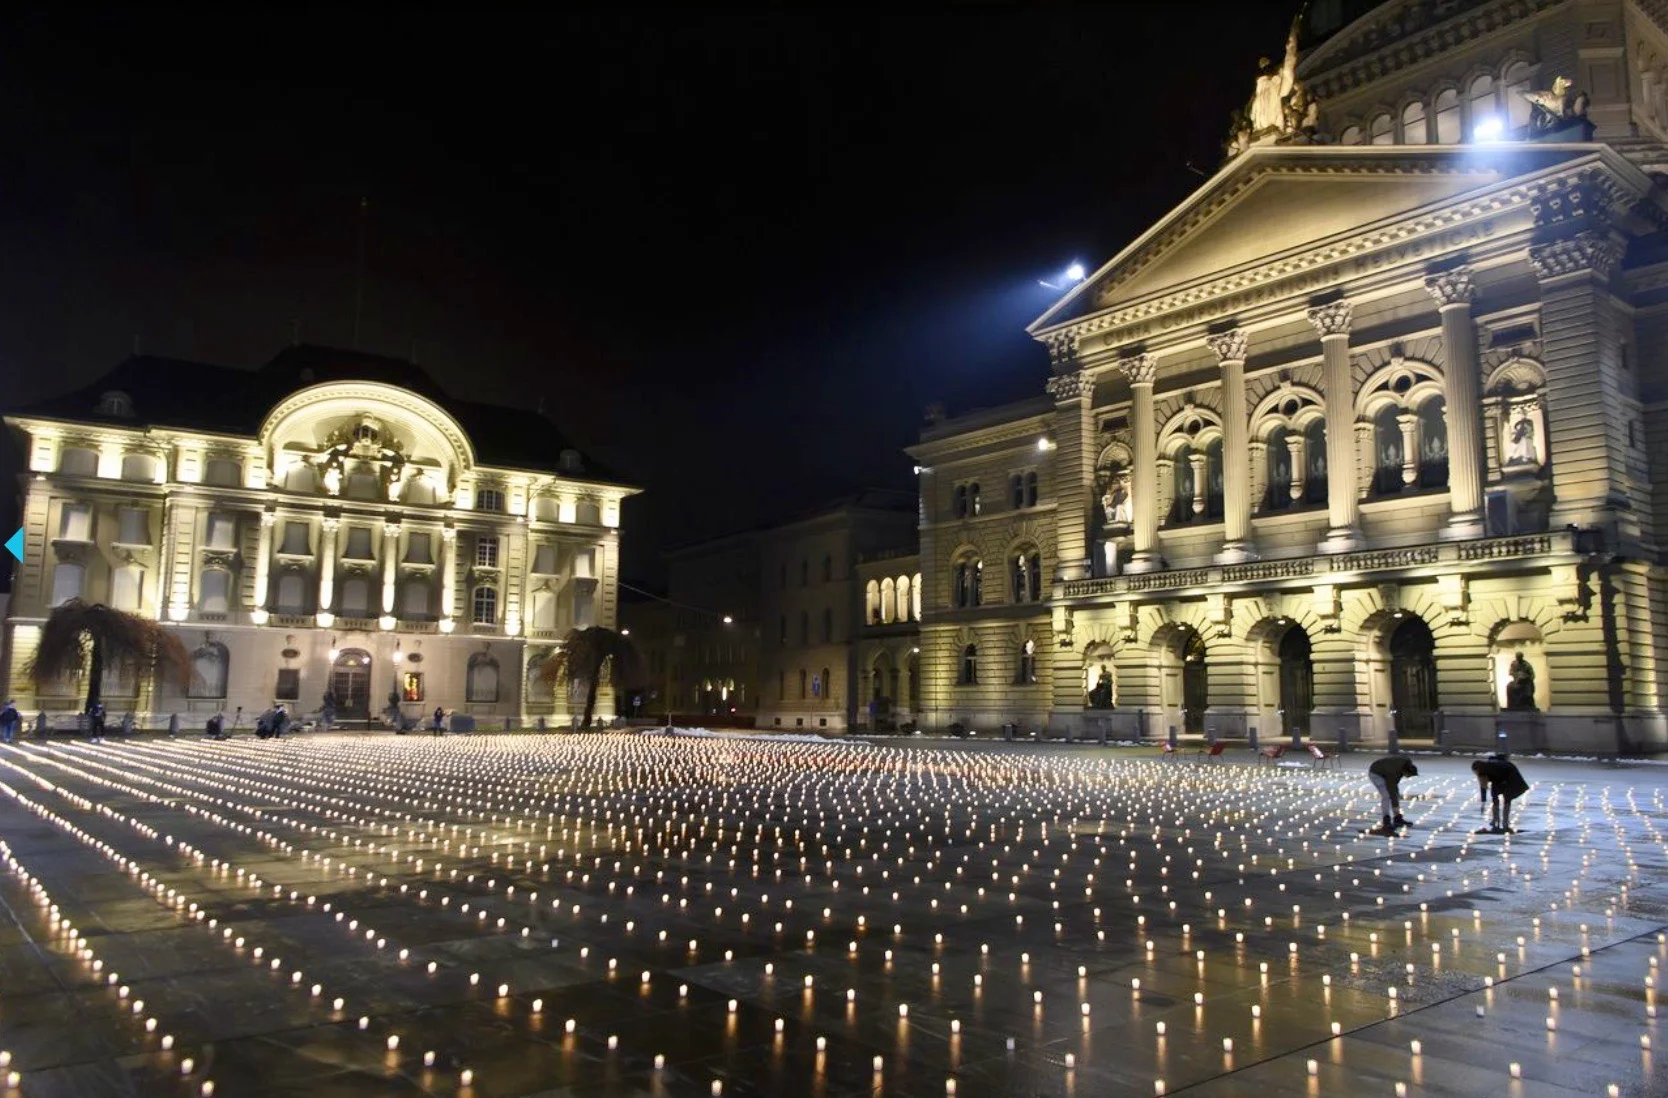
{"x":638,"y":915}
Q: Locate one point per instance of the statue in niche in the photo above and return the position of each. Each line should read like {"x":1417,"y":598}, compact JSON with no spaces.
{"x":1520,"y":686}
{"x":1100,"y":695}
{"x":1521,"y":449}
{"x":1115,"y":501}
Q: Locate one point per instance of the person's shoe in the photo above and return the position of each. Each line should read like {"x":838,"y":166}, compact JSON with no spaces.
{"x":1398,"y":821}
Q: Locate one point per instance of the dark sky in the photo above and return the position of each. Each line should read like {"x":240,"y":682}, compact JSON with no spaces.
{"x":736,"y":251}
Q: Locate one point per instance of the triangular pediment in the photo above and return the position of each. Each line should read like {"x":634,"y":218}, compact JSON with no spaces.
{"x":1272,"y":202}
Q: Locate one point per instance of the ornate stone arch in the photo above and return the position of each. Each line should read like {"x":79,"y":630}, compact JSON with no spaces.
{"x":1193,"y":424}
{"x":1292,"y":406}
{"x":1517,"y":374}
{"x":1394,"y":382}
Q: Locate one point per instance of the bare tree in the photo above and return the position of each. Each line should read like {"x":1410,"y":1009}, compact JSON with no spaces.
{"x":586,"y":655}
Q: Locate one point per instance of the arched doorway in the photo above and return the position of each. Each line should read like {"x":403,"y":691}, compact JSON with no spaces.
{"x":1413,"y":678}
{"x":1195,"y":683}
{"x":350,"y":682}
{"x":1297,"y":680}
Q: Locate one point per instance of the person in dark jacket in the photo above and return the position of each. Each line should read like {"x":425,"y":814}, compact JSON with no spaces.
{"x":1386,"y":775}
{"x":1499,"y":783}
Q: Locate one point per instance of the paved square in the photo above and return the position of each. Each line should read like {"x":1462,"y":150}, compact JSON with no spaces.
{"x":644,"y":915}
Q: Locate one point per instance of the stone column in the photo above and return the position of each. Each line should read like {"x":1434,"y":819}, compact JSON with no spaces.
{"x":390,"y":570}
{"x":327,"y":570}
{"x":1454,"y":291}
{"x":1343,"y":507}
{"x":1142,"y":370}
{"x":1236,"y":454}
{"x":448,"y":576}
{"x":1408,"y":422}
{"x":263,"y":567}
{"x":1074,"y":459}
{"x":1297,"y":447}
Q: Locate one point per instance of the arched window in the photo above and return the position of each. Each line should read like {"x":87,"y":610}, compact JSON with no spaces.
{"x":1350,"y":136}
{"x":482,"y":682}
{"x":1181,"y":485}
{"x":871,"y":603}
{"x":292,"y":593}
{"x":1447,"y":111}
{"x":1480,"y":99}
{"x":969,"y":583}
{"x":1516,"y":83}
{"x":969,"y":665}
{"x":209,"y":666}
{"x":888,"y":601}
{"x":67,"y":579}
{"x":547,"y":509}
{"x":915,"y":596}
{"x":485,"y":606}
{"x":75,"y":461}
{"x":1433,"y":444}
{"x":356,"y":598}
{"x":588,"y":512}
{"x":1413,"y":124}
{"x":214,"y":591}
{"x":1027,"y":576}
{"x":1213,"y":480}
{"x":1025,"y":671}
{"x":1314,"y":463}
{"x":1196,"y":483}
{"x":903,"y":598}
{"x":1381,"y":130}
{"x":140,"y":467}
{"x":1387,"y":451}
{"x":1277,"y":455}
{"x":825,"y":685}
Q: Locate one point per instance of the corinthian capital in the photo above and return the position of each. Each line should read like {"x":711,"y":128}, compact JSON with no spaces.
{"x":1139,"y":369}
{"x":1065,"y":388}
{"x":1587,"y":251}
{"x":1455,"y":287}
{"x":1331,"y":319}
{"x":1228,"y":346}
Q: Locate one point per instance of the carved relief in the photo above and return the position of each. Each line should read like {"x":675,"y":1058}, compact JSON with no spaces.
{"x":1332,"y":318}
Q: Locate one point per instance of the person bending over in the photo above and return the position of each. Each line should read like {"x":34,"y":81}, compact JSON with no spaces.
{"x":1499,"y":783}
{"x":1386,"y":775}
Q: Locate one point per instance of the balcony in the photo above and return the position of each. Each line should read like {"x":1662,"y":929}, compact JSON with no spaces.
{"x":1410,"y":559}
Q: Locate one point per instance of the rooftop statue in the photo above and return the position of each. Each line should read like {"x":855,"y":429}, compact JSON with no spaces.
{"x":1280,"y":107}
{"x":1557,"y":109}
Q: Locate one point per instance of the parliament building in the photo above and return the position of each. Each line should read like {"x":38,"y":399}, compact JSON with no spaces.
{"x":332,"y":522}
{"x":1364,"y":438}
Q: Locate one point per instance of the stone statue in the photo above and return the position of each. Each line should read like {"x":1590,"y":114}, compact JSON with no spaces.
{"x":1520,"y":690}
{"x":1279,"y":107}
{"x":1522,"y":450}
{"x":1114,"y":502}
{"x":1100,"y":697}
{"x":1555,"y":109}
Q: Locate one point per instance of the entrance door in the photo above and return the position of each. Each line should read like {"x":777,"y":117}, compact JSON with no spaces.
{"x":1297,"y":681}
{"x":350,"y":681}
{"x":1413,"y":679}
{"x":1195,"y":690}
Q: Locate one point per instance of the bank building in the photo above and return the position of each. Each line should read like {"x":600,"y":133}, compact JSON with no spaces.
{"x":330,"y":522}
{"x":1365,"y":436}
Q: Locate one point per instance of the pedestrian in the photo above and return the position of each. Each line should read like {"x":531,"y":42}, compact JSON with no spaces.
{"x":1499,"y":783}
{"x":10,"y":718}
{"x":439,"y":718}
{"x":327,"y":714}
{"x":217,"y":727}
{"x":1386,"y":775}
{"x":95,"y":721}
{"x":280,"y":720}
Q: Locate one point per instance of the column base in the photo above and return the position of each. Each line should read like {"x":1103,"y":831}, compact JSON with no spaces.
{"x":1236,"y":552}
{"x":1342,"y":539}
{"x":1464,"y":526}
{"x":1145,"y":561}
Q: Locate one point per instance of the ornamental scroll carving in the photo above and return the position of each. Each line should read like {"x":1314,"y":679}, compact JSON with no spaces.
{"x":1588,"y":251}
{"x":1229,"y":346}
{"x":1452,"y":287}
{"x":1332,"y":318}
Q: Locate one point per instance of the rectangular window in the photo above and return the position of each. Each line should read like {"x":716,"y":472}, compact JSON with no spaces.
{"x":358,"y":543}
{"x":544,"y":559}
{"x":418,"y":550}
{"x":214,"y":589}
{"x":411,"y":686}
{"x":223,"y":472}
{"x":295,"y":540}
{"x":292,"y":593}
{"x":133,"y":526}
{"x":289,"y":685}
{"x":486,"y":552}
{"x":222,"y":531}
{"x":76,"y":522}
{"x":126,"y":587}
{"x":489,"y":499}
{"x":485,"y":606}
{"x":585,"y":563}
{"x":584,"y":604}
{"x":66,"y":582}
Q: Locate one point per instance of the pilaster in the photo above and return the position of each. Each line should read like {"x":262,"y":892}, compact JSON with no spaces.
{"x":327,"y":571}
{"x":263,"y":567}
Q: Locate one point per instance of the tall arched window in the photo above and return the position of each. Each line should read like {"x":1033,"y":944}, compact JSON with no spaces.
{"x":1181,"y":485}
{"x":1314,"y":462}
{"x":1027,"y":576}
{"x":1381,"y":130}
{"x":903,"y":598}
{"x":1516,"y":86}
{"x":1350,"y":136}
{"x":1433,"y":443}
{"x":961,"y":501}
{"x":973,"y":505}
{"x":1278,"y":456}
{"x":1480,"y":100}
{"x":1025,"y":670}
{"x":888,"y":601}
{"x":209,"y":666}
{"x":915,"y":596}
{"x":871,"y":603}
{"x":969,"y":583}
{"x":1387,"y":451}
{"x":1213,"y":480}
{"x":825,"y":685}
{"x":969,"y":665}
{"x":1016,"y":486}
{"x":1030,"y":489}
{"x":482,"y":682}
{"x":1413,"y":124}
{"x":1447,"y":111}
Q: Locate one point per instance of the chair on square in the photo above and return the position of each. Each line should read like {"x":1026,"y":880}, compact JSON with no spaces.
{"x":1212,"y":754}
{"x":1272,"y":753}
{"x":1320,"y":760}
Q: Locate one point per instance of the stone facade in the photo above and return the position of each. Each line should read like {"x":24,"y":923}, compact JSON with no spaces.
{"x":327,"y":523}
{"x":1357,"y":441}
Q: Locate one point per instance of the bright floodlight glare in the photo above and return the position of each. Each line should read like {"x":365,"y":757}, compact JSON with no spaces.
{"x":1042,"y":444}
{"x":728,"y":620}
{"x":1075,"y":272}
{"x":1489,"y":129}
{"x":625,"y":632}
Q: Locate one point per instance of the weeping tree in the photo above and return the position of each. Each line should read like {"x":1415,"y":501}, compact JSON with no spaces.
{"x":91,"y":635}
{"x":586,"y":655}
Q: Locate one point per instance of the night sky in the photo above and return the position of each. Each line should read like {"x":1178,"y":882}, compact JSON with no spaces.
{"x":736,"y":252}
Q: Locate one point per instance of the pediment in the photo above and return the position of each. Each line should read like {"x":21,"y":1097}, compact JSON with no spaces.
{"x":1272,"y":202}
